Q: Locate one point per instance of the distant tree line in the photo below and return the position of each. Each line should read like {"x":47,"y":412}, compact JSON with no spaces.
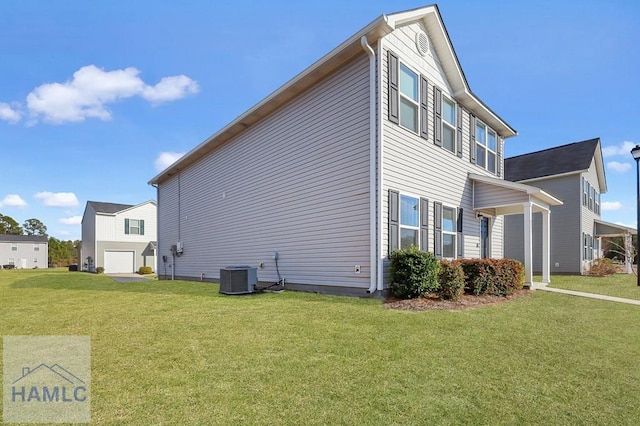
{"x":61,"y":253}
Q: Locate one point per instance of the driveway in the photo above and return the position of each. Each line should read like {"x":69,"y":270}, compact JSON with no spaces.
{"x":128,"y":278}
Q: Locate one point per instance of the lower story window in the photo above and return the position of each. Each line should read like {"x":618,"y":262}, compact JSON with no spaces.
{"x":11,"y":261}
{"x":409,"y":221}
{"x":449,"y":232}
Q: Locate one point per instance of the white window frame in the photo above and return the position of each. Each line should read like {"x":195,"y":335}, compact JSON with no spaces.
{"x":486,"y":150}
{"x":14,"y":246}
{"x":453,"y":233}
{"x":585,"y":192}
{"x":401,"y":226}
{"x":451,"y":126}
{"x":35,"y":260}
{"x":597,"y":203}
{"x":415,"y":103}
{"x":11,"y":261}
{"x":36,"y":247}
{"x":131,"y":227}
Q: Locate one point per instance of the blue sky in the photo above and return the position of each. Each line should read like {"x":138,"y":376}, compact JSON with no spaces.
{"x":96,"y":96}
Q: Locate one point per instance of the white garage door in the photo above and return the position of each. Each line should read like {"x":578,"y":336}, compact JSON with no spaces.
{"x":118,"y":262}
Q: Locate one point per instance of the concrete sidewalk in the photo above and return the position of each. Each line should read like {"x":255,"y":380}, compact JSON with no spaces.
{"x":543,"y":287}
{"x":128,"y":278}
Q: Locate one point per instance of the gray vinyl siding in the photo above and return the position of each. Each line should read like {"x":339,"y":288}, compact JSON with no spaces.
{"x":418,"y":167}
{"x":566,"y":234}
{"x":88,"y":247}
{"x":25,"y":250}
{"x":296,"y":183}
{"x":141,"y":255}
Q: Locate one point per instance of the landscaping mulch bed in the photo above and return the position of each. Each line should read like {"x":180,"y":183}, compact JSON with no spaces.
{"x":467,"y":301}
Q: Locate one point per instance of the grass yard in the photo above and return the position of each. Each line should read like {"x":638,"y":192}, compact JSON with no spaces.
{"x":179,"y":353}
{"x":618,"y":285}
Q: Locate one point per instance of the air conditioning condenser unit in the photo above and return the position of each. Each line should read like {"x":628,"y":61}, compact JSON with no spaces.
{"x":238,"y":280}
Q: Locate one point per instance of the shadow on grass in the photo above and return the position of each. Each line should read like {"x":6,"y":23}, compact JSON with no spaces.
{"x":93,"y":282}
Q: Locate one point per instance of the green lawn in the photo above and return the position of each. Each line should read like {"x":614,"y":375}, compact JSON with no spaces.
{"x":618,"y":285}
{"x":179,"y":353}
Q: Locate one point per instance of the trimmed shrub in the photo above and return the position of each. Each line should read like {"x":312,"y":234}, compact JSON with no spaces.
{"x":451,"y":280}
{"x":99,"y":270}
{"x":602,"y":267}
{"x":145,"y":270}
{"x":413,"y":273}
{"x":500,"y":277}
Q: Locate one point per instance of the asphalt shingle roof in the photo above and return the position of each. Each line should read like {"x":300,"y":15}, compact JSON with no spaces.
{"x":108,"y":207}
{"x":23,"y":238}
{"x":553,"y":161}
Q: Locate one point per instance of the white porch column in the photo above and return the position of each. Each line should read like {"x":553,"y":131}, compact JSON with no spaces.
{"x":528,"y":245}
{"x":546,"y":252}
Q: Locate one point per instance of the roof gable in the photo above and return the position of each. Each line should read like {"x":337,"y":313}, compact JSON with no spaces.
{"x":566,"y":159}
{"x":334,"y":60}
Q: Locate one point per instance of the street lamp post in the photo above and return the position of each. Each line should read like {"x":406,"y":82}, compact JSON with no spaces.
{"x":636,"y":156}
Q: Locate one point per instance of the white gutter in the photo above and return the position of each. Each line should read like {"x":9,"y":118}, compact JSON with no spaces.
{"x":380,"y":169}
{"x":373,"y":253}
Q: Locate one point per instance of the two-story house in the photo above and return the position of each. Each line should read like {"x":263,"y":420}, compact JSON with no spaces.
{"x":378,"y":145}
{"x":24,"y":251}
{"x":574,"y":173}
{"x":119,"y":237}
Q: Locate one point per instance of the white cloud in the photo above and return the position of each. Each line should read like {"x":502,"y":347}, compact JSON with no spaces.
{"x":58,"y":199}
{"x":170,"y":89}
{"x":13,"y":200}
{"x":616,"y":166}
{"x":7,"y":113}
{"x":623,"y":148}
{"x":611,"y":205}
{"x":73,"y":220}
{"x":92,"y":89}
{"x":165,"y":159}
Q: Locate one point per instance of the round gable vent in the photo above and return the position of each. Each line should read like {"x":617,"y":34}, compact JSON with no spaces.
{"x":422,"y":43}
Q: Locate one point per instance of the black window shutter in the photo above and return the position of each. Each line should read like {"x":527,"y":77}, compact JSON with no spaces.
{"x":394,"y":113}
{"x":394,"y":223}
{"x":499,"y":157}
{"x":141,"y":227}
{"x":459,"y":130}
{"x":472,"y":138}
{"x":437,"y":116}
{"x":126,"y":226}
{"x":424,"y":100}
{"x":460,"y":243}
{"x":437,"y":230}
{"x":424,"y":224}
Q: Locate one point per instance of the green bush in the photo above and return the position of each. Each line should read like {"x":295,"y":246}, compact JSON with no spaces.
{"x":602,"y":267}
{"x":451,"y":280}
{"x":145,"y":270}
{"x":413,"y":273}
{"x":500,"y":277}
{"x":99,"y":270}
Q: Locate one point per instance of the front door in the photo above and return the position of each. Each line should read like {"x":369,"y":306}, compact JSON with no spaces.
{"x":484,"y":237}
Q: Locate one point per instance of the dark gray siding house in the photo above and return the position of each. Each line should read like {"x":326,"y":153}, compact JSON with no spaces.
{"x":575,"y":174}
{"x":378,"y":145}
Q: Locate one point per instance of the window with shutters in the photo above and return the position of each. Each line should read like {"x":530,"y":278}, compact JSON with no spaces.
{"x":409,"y":221}
{"x":409,"y":98}
{"x":486,"y":147}
{"x":448,"y":124}
{"x":585,"y":192}
{"x":449,"y":231}
{"x":134,"y":226}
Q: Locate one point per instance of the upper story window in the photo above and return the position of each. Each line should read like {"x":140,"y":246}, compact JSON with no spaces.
{"x":590,"y":197}
{"x":597,"y":205}
{"x":448,"y":124}
{"x":36,"y":247}
{"x":409,"y":221}
{"x":134,"y":226}
{"x":486,"y":147}
{"x":409,"y":98}
{"x":585,"y":192}
{"x":14,"y":246}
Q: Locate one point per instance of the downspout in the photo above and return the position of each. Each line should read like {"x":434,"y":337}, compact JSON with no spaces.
{"x":373,"y":253}
{"x":381,"y":249}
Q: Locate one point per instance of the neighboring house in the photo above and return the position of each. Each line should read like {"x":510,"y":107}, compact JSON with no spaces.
{"x":119,"y":237}
{"x":575,"y":174}
{"x":24,"y":251}
{"x":380,"y":144}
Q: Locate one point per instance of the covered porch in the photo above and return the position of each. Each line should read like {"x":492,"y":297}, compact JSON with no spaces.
{"x":608,"y":230}
{"x":497,"y":197}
